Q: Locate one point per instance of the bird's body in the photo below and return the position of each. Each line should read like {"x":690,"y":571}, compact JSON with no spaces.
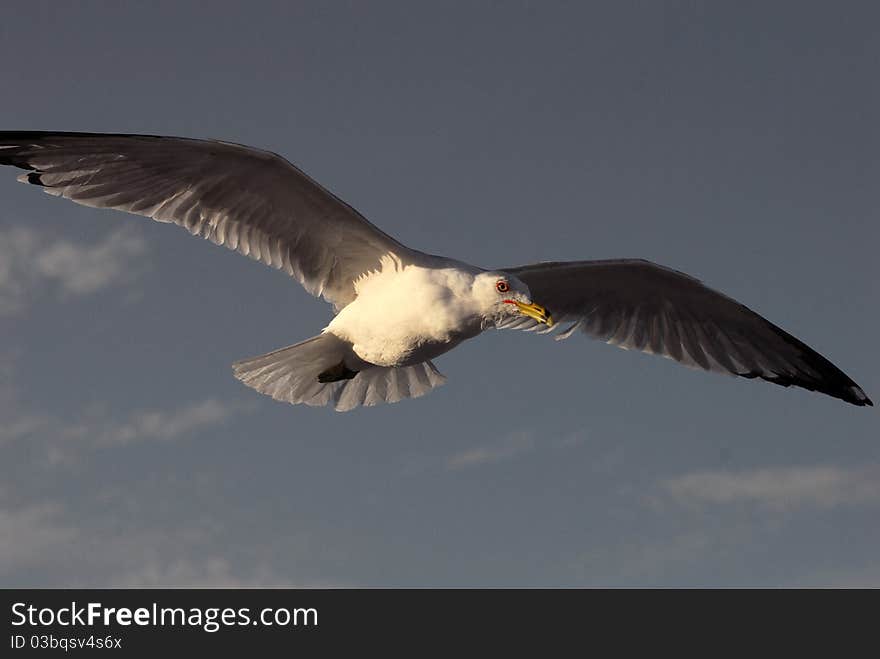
{"x":398,"y":308}
{"x":388,"y":325}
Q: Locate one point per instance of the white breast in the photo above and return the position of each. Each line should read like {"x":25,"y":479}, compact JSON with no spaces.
{"x":406,"y":315}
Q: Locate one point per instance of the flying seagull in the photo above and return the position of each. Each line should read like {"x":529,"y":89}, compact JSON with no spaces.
{"x":397,"y":308}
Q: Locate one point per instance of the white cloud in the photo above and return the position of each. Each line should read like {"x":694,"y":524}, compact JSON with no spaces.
{"x":780,"y":488}
{"x":511,"y":446}
{"x":161,"y":425}
{"x":63,"y":439}
{"x":37,"y":539}
{"x":31,"y":534}
{"x":181,"y":572}
{"x":22,"y":426}
{"x":489,"y":453}
{"x":31,"y":261}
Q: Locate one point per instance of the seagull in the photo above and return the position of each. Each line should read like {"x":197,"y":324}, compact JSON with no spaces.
{"x":397,"y":308}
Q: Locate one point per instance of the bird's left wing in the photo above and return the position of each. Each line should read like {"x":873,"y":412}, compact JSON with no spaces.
{"x":643,"y":306}
{"x":246,"y":199}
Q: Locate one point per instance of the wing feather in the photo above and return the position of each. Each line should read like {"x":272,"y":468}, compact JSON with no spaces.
{"x":641,"y":305}
{"x":243,"y":198}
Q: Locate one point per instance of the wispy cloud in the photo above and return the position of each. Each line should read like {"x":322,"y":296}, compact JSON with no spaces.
{"x":212,"y":571}
{"x":508,"y":447}
{"x":63,"y":439}
{"x":505,"y":449}
{"x":31,"y":260}
{"x":38,"y":539}
{"x":162,"y":425}
{"x":780,"y":488}
{"x":31,"y":534}
{"x":22,"y":426}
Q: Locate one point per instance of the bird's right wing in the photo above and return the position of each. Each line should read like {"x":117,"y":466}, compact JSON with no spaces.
{"x":640,"y":305}
{"x":246,"y":199}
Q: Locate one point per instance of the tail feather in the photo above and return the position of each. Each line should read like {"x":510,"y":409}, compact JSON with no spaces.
{"x":291,"y":375}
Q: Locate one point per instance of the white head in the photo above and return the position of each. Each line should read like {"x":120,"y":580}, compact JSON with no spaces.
{"x":501,"y":296}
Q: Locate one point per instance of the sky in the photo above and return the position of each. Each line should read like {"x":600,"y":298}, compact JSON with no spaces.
{"x":737,"y":142}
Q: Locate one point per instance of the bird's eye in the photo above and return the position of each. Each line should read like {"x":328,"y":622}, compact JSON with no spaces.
{"x":502,"y":286}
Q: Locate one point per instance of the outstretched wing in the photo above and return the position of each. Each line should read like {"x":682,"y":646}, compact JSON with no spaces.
{"x":246,"y":199}
{"x":640,"y":305}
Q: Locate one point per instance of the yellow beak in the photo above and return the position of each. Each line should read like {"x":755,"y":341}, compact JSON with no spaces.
{"x":535,"y":311}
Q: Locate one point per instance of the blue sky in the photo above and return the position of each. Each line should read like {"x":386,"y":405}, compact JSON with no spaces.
{"x":737,"y":143}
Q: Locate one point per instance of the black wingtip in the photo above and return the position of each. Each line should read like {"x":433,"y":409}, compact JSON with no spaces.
{"x":821,"y":375}
{"x":857,"y":398}
{"x":865,"y":402}
{"x":853,"y":394}
{"x":34,"y":179}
